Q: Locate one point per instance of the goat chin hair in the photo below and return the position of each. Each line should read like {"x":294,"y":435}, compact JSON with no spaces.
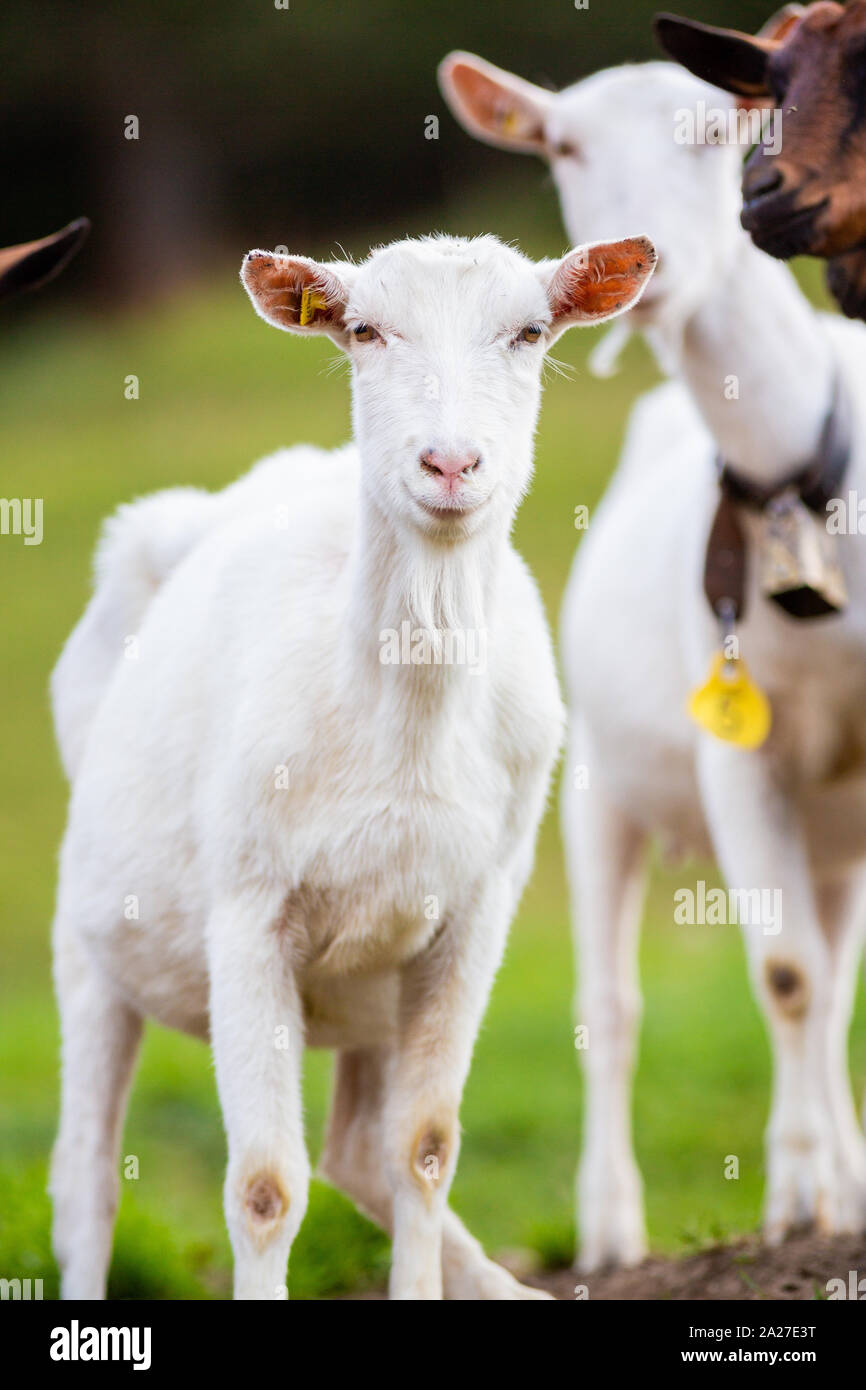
{"x":445,"y":592}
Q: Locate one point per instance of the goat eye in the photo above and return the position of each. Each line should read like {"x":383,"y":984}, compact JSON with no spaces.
{"x":565,"y":149}
{"x":530,"y":334}
{"x":365,"y":333}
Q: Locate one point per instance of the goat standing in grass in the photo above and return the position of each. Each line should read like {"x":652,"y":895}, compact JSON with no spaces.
{"x":762,"y":377}
{"x":323,"y":847}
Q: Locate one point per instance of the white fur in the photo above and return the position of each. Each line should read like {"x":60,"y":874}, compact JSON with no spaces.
{"x":637,"y":636}
{"x":363,"y":905}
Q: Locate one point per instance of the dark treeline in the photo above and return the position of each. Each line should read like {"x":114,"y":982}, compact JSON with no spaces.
{"x":258,"y":123}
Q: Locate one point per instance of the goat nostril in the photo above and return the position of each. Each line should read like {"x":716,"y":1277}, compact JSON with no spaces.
{"x":449,"y":465}
{"x":761,"y":181}
{"x":428,"y":465}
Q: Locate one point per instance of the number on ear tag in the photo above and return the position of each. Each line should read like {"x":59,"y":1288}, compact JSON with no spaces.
{"x":729,"y":706}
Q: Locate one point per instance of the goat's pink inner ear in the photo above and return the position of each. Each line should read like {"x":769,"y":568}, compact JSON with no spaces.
{"x":496,"y":109}
{"x":596,"y":282}
{"x":293,"y":293}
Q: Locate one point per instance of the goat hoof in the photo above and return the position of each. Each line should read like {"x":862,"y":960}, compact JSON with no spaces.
{"x":487,"y":1282}
{"x":612,"y":1228}
{"x":813,"y":1187}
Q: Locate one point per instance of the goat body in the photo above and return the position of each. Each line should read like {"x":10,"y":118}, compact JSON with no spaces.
{"x":276,"y":837}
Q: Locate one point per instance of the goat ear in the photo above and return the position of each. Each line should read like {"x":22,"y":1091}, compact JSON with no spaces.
{"x":295,"y":293}
{"x":598,"y":281}
{"x":26,"y":266}
{"x":725,"y":57}
{"x":776,"y":30}
{"x":493,"y":105}
{"x":780,"y":24}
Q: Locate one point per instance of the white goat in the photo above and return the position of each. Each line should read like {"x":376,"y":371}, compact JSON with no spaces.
{"x":319,"y":846}
{"x":757,"y":369}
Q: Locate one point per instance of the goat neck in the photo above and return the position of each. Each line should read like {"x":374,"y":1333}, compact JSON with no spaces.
{"x":760,"y":368}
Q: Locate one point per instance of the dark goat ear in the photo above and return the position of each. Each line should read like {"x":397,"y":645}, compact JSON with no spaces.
{"x":725,"y":57}
{"x":780,"y":24}
{"x":26,"y":266}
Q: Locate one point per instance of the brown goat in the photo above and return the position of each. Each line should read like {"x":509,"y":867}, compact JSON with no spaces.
{"x":30,"y":264}
{"x":809,"y":198}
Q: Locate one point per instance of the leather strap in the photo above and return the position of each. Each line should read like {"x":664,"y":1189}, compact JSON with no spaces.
{"x":725,"y":566}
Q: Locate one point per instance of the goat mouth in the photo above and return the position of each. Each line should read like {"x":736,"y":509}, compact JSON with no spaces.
{"x":457,"y":512}
{"x":781,"y":229}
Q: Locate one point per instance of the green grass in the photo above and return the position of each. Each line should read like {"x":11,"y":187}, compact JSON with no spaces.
{"x":218,"y":389}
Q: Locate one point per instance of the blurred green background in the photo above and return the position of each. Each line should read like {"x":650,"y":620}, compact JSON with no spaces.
{"x":336,"y":95}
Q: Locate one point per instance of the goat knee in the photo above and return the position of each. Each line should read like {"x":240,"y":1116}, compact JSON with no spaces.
{"x":787,"y":985}
{"x":431,"y":1156}
{"x":265,"y":1203}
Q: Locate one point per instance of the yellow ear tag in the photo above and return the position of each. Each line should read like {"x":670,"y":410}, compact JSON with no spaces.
{"x":729,"y":706}
{"x":311,"y":300}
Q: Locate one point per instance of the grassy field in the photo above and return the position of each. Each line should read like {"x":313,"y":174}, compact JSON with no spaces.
{"x":218,"y":389}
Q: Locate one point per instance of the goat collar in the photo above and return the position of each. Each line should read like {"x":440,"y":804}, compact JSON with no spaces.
{"x":812,"y":486}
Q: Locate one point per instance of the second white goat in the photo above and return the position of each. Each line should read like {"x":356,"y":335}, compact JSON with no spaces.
{"x":763,"y":382}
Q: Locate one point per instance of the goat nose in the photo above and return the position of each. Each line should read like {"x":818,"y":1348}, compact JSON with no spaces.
{"x":447,"y":464}
{"x":763,"y":179}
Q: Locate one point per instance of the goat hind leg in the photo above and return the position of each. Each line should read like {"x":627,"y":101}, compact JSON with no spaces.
{"x":100,"y":1036}
{"x":604,"y":853}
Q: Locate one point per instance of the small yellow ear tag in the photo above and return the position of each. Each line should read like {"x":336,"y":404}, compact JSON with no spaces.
{"x":311,"y":300}
{"x":729,"y":706}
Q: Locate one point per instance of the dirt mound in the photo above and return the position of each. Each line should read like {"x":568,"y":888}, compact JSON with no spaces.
{"x":746,"y":1271}
{"x":798,"y":1269}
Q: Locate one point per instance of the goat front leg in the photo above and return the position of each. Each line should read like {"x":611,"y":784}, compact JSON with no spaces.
{"x":443,"y":992}
{"x":760,"y":845}
{"x":257,"y":1032}
{"x":352,"y":1161}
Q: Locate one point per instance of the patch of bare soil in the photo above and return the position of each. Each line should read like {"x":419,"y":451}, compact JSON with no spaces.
{"x":747,"y":1270}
